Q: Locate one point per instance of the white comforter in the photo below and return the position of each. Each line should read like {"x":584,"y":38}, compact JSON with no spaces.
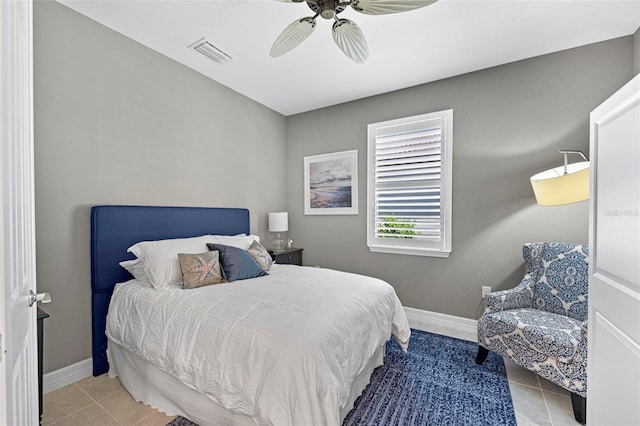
{"x":282,"y":349}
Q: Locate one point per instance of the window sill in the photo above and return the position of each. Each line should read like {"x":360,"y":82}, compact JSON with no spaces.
{"x":411,"y":251}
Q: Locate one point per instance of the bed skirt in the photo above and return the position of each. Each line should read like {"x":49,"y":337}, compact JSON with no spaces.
{"x":150,"y":385}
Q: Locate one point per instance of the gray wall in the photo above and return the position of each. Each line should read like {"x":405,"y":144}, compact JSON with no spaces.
{"x":509,"y":123}
{"x":116,"y":122}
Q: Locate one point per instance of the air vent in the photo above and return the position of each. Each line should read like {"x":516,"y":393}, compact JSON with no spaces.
{"x":210,"y":51}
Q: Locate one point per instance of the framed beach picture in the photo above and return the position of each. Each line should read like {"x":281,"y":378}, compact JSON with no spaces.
{"x":331,"y":183}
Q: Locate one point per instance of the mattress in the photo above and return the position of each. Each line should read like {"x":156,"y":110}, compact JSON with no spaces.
{"x":282,"y":349}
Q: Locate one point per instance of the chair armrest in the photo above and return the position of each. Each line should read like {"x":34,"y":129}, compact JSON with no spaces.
{"x":585,"y":328}
{"x":515,"y":298}
{"x":579,"y":361}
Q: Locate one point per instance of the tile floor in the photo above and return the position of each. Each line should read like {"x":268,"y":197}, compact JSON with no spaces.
{"x":102,"y":401}
{"x":537,"y":401}
{"x":98,"y":401}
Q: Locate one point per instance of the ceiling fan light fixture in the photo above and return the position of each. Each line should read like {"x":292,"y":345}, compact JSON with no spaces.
{"x":328,"y":13}
{"x":328,"y":10}
{"x":346,"y":33}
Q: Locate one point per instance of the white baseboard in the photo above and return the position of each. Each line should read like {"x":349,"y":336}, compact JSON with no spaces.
{"x":448,"y":325}
{"x":67,"y":375}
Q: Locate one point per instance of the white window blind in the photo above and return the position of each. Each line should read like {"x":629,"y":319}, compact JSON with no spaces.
{"x":409,"y":185}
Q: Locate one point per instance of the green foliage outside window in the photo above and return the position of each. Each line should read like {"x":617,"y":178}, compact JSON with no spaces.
{"x":396,"y":228}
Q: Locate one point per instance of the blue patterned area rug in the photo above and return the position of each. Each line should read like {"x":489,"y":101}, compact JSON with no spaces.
{"x":436,"y":383}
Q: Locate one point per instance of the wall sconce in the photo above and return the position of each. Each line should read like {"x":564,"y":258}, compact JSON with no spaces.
{"x":562,"y":185}
{"x":279,"y":222}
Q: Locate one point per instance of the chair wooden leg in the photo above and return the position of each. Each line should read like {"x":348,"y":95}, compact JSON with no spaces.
{"x":579,"y":404}
{"x":482,"y":355}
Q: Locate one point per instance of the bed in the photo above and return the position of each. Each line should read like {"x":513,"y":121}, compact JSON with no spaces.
{"x":299,"y":345}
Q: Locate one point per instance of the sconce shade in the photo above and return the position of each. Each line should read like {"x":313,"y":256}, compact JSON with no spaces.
{"x":278,"y":222}
{"x":554,"y":188}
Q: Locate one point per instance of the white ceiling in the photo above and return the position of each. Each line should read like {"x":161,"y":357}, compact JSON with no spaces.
{"x":448,"y":38}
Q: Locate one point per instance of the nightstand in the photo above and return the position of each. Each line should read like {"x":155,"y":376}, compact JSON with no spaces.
{"x":291,"y":256}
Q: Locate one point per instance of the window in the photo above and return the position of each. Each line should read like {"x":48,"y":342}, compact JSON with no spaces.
{"x":409,"y":185}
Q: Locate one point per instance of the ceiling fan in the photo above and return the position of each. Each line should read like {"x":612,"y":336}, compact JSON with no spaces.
{"x":346,"y":33}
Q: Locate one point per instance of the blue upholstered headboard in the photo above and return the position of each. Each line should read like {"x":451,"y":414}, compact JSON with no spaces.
{"x":116,"y":228}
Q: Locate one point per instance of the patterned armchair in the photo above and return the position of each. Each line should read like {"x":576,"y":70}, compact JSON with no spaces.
{"x":542,"y":323}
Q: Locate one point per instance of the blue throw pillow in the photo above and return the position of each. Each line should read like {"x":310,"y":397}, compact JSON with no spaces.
{"x":236,"y":263}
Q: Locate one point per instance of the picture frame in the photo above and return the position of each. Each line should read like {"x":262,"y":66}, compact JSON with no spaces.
{"x":331,"y":183}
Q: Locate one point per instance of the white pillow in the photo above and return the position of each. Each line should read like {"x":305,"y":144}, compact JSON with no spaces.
{"x":160,"y":262}
{"x":135,"y":268}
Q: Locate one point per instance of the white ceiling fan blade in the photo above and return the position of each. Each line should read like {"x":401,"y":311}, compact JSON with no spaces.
{"x":350,"y":40}
{"x":383,"y":7}
{"x":292,"y":36}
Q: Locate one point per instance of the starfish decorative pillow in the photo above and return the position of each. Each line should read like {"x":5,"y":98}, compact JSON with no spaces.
{"x":201,"y":269}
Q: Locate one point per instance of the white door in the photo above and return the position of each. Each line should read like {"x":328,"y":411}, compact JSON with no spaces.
{"x":18,"y":368}
{"x":613,"y":375}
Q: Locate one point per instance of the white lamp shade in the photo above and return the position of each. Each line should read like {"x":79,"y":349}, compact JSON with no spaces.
{"x":278,"y":222}
{"x":554,"y":188}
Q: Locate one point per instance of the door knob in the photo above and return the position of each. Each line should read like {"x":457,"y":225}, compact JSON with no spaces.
{"x":40,"y":297}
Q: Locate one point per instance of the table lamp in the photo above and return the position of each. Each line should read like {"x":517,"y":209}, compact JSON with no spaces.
{"x":279,"y":223}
